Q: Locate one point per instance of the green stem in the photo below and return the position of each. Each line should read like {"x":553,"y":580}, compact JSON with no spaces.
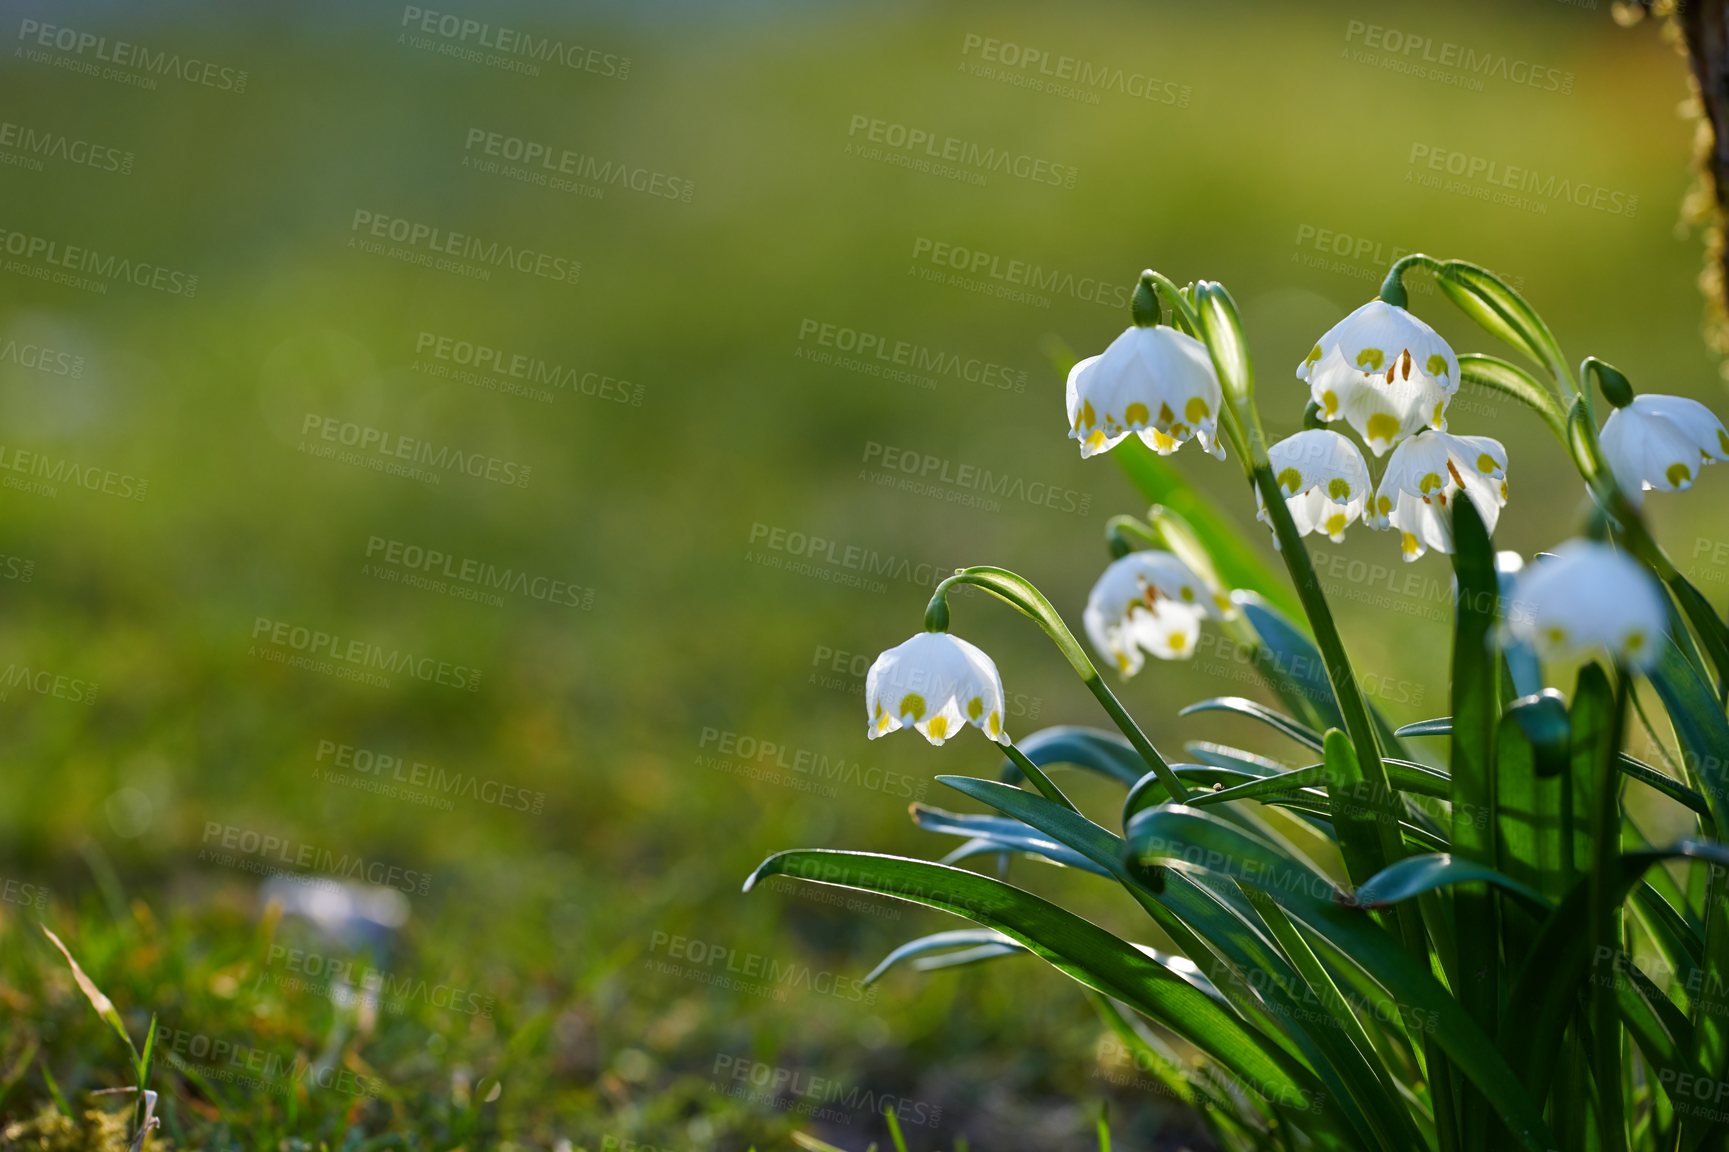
{"x":1040,"y":781}
{"x":1020,"y":595}
{"x":1393,"y":287}
{"x":1124,"y":531}
{"x":1359,"y":724}
{"x":1604,"y":918}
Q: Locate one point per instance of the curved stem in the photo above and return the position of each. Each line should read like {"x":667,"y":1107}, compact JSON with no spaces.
{"x":1125,"y":530}
{"x":1037,"y":775}
{"x":1020,"y":595}
{"x":1393,"y":287}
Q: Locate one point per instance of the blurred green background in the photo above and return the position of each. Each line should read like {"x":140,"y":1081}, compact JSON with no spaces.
{"x":708,"y":422}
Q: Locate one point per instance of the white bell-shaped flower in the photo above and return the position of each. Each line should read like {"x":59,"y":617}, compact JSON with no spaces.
{"x":1384,"y":372}
{"x":1662,"y":442}
{"x":1324,"y":479}
{"x":1156,"y":382}
{"x":1587,"y":599}
{"x":1147,"y":601}
{"x":938,"y":684}
{"x":1424,"y":474}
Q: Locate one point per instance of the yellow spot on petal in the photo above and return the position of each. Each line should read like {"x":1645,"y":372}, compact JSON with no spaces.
{"x":1371,"y":359}
{"x":1097,"y":440}
{"x":1162,"y":442}
{"x":938,"y":727}
{"x":1339,"y":488}
{"x":1165,"y":414}
{"x":912,"y":704}
{"x":1723,"y":440}
{"x":1431,"y":482}
{"x":1188,"y":594}
{"x":994,"y":725}
{"x":1135,"y":414}
{"x":1314,"y":355}
{"x":1678,"y":474}
{"x":1408,"y":544}
{"x":1089,"y":418}
{"x":1439,"y":419}
{"x":1177,"y":641}
{"x":1329,"y":403}
{"x":1436,"y":365}
{"x":1555,"y":635}
{"x":1486,"y":464}
{"x":1290,"y":480}
{"x":1633,"y":642}
{"x":1383,"y":504}
{"x":1335,"y":524}
{"x":1381,"y":427}
{"x":1197,"y":410}
{"x":975,"y":709}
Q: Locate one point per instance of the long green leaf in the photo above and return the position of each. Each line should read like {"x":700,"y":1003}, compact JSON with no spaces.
{"x":1185,"y":838}
{"x":1415,"y":875}
{"x":1078,"y":948}
{"x":1254,"y":969}
{"x":1476,"y":698}
{"x":1545,"y":994}
{"x":1278,"y":721}
{"x":962,"y":938}
{"x":1631,"y":767}
{"x":1103,"y":752}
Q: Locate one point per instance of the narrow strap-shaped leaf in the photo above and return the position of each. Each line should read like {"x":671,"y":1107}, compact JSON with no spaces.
{"x":1703,"y":732}
{"x":1545,"y":992}
{"x":1406,"y":775}
{"x":1151,"y":790}
{"x":1078,"y":948}
{"x":938,"y":942}
{"x":1278,"y":721}
{"x":1713,"y":635}
{"x":1377,"y":1090}
{"x":1000,"y":834}
{"x":1254,"y":970}
{"x":1291,"y":666}
{"x":1187,"y":838}
{"x":1361,"y":811}
{"x":1224,"y":756}
{"x":1699,"y":725}
{"x":1599,"y":713}
{"x":1416,"y":875}
{"x":1103,"y":752}
{"x":1631,"y":767}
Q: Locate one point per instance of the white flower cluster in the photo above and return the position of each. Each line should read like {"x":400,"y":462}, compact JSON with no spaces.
{"x":1389,"y":377}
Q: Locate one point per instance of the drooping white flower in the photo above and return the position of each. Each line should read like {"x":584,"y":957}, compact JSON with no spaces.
{"x":1325,"y":481}
{"x":1156,"y":382}
{"x":1587,"y":599}
{"x":1424,"y":474}
{"x":1662,"y":442}
{"x":1147,"y":601}
{"x":935,"y":683}
{"x":1384,"y":372}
